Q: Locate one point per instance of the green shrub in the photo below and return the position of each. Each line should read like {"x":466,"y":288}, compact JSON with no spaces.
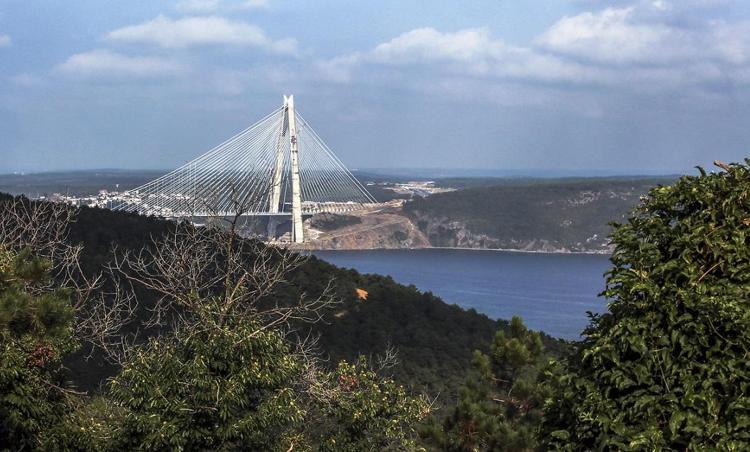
{"x":355,"y":409}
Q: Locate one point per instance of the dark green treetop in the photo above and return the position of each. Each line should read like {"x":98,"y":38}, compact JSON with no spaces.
{"x":36,"y":332}
{"x":232,"y":388}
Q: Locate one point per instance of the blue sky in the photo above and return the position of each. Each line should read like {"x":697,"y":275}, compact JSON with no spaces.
{"x":630,"y":86}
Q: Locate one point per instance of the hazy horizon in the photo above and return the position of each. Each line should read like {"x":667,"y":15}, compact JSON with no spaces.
{"x":411,"y":172}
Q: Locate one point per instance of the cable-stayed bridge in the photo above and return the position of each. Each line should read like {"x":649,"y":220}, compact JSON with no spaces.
{"x":278,"y":167}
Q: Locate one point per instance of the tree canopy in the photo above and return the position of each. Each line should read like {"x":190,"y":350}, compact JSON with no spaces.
{"x":667,"y":367}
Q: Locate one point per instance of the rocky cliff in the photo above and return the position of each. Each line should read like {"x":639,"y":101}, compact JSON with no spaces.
{"x":452,"y":233}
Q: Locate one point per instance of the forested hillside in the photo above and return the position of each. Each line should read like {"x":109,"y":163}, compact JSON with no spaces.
{"x":434,"y":340}
{"x":558,"y":215}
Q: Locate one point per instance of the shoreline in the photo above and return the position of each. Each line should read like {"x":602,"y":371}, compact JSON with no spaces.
{"x":502,"y":250}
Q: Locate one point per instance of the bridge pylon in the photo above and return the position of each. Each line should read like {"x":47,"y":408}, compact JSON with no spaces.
{"x":278,"y":167}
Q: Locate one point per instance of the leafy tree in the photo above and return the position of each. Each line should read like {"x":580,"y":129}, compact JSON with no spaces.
{"x":500,"y":406}
{"x":244,"y":388}
{"x":227,"y":376}
{"x":667,"y":367}
{"x":91,"y":424}
{"x":35,"y":334}
{"x":232,"y":388}
{"x":354,"y":409}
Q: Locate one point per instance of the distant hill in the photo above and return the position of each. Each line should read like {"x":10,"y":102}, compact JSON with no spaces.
{"x":536,"y":215}
{"x":75,"y":183}
{"x":525,"y":181}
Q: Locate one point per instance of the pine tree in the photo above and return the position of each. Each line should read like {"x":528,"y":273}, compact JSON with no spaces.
{"x":35,"y":334}
{"x":500,"y":406}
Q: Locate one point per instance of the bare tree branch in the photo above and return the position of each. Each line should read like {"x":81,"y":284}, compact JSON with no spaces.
{"x":210,"y":276}
{"x":43,"y":228}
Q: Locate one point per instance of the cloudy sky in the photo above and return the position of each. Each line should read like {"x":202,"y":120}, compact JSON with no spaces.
{"x":620,"y":85}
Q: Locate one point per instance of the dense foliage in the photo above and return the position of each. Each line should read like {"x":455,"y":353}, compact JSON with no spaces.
{"x":35,"y":334}
{"x":501,"y":403}
{"x":354,"y":409}
{"x":667,"y":368}
{"x":226,"y":377}
{"x":556,"y":214}
{"x":238,"y":389}
{"x":226,"y":389}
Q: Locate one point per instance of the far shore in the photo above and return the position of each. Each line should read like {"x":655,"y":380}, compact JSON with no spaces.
{"x":503,"y":250}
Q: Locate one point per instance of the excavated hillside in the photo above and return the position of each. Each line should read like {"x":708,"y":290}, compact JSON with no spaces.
{"x":383,"y":228}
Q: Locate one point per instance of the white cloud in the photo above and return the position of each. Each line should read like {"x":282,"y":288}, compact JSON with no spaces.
{"x":612,"y":35}
{"x":632,"y":36}
{"x":4,"y":40}
{"x":429,"y":44}
{"x":196,"y":31}
{"x":104,"y":62}
{"x":339,"y":69}
{"x":628,"y":51}
{"x":210,"y":6}
{"x":473,"y":52}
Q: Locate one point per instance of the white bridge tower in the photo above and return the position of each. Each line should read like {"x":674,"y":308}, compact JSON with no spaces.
{"x":276,"y":168}
{"x":289,"y":127}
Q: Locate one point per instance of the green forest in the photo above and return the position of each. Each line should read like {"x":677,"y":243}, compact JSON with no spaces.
{"x":568,"y":213}
{"x":122,"y":332}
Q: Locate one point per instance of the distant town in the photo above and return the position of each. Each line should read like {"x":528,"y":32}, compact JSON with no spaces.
{"x":104,"y":198}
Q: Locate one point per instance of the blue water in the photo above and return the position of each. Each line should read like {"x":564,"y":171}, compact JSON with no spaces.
{"x":551,"y":292}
